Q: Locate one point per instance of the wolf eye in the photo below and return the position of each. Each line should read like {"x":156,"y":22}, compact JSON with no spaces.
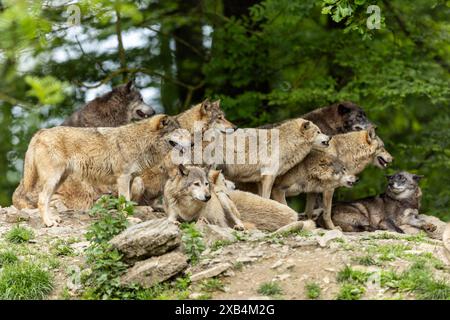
{"x":206,"y":184}
{"x":197,"y":184}
{"x":318,"y":132}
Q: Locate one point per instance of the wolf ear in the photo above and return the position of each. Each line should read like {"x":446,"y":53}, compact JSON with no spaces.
{"x":183,"y":170}
{"x":370,"y":135}
{"x":213,"y":175}
{"x":216,"y":104}
{"x":343,"y":109}
{"x":163,"y":122}
{"x":206,"y":106}
{"x":306,"y":125}
{"x":417,"y":177}
{"x":129,"y":86}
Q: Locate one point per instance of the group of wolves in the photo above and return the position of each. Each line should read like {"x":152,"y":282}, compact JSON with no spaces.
{"x":116,"y":144}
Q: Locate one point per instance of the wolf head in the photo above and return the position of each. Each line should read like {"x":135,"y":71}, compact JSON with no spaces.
{"x":170,"y":132}
{"x":133,"y":101}
{"x":214,"y":117}
{"x":312,"y":133}
{"x":382,"y":158}
{"x":341,"y":176}
{"x":194,"y":181}
{"x":352,"y":116}
{"x":403,"y":185}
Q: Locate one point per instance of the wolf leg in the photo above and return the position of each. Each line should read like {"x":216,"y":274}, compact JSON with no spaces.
{"x":327,"y":202}
{"x":49,"y":187}
{"x":124,"y":186}
{"x":267,"y":183}
{"x":279,"y":195}
{"x":389,"y":225}
{"x":310,"y":203}
{"x":232,"y":213}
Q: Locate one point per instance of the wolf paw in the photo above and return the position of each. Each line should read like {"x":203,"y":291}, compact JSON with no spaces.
{"x":239,"y":227}
{"x":430,"y":227}
{"x":51,"y":222}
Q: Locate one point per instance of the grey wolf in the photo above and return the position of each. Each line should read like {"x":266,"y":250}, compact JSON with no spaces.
{"x":186,"y":193}
{"x":297,"y":138}
{"x":341,"y":117}
{"x":355,"y":150}
{"x":97,"y":155}
{"x":120,"y":106}
{"x":398,"y":206}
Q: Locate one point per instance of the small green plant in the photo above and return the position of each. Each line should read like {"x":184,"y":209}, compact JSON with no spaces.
{"x":211,"y":285}
{"x":112,"y":214}
{"x":270,"y":289}
{"x":313,"y":290}
{"x":25,"y":281}
{"x":193,"y":241}
{"x":239,"y":265}
{"x":104,"y":261}
{"x":417,"y":279}
{"x":19,"y":234}
{"x":220,"y":244}
{"x":350,"y":291}
{"x":7,"y":257}
{"x":366,"y":260}
{"x":389,"y":252}
{"x":62,"y":248}
{"x":349,"y":275}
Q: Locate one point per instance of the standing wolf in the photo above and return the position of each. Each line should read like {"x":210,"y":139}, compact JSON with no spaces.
{"x":297,"y":137}
{"x":97,"y":155}
{"x":341,"y":117}
{"x":120,"y":106}
{"x":398,"y":206}
{"x":354,"y":150}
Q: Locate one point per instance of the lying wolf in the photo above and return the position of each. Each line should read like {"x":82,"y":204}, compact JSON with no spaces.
{"x":120,"y":106}
{"x":355,"y":150}
{"x":186,"y":193}
{"x":341,"y":117}
{"x":297,"y":138}
{"x":398,"y":206}
{"x":97,"y":155}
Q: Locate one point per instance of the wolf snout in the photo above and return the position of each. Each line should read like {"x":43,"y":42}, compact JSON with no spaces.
{"x":207,"y":197}
{"x":326,"y":142}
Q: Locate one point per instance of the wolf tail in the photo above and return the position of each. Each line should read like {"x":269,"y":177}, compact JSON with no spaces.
{"x":30,"y":174}
{"x":21,"y":197}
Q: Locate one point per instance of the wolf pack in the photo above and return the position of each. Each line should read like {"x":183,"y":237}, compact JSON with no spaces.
{"x":116,"y":144}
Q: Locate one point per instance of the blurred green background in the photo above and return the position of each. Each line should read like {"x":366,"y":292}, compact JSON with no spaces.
{"x":267,"y":61}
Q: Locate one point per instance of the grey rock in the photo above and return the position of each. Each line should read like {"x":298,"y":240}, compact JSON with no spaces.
{"x":211,"y":272}
{"x":147,"y":239}
{"x":328,"y":236}
{"x":152,"y":271}
{"x":212,"y":233}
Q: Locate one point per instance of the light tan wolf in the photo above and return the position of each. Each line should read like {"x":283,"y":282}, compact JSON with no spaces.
{"x":186,"y":193}
{"x":195,"y":193}
{"x":221,"y":210}
{"x":97,"y":155}
{"x":210,"y":116}
{"x":355,"y":150}
{"x":297,"y":138}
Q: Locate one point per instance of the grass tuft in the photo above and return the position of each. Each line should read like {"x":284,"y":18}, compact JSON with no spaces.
{"x":313,"y":290}
{"x":19,"y":234}
{"x":270,"y":289}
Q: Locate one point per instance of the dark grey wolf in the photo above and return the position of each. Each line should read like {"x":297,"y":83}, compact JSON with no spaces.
{"x":398,"y":206}
{"x":120,"y":106}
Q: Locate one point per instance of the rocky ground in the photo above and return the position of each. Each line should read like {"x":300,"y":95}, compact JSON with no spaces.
{"x":292,"y":264}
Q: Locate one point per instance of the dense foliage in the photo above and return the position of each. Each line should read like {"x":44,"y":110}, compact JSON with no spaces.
{"x":267,"y":60}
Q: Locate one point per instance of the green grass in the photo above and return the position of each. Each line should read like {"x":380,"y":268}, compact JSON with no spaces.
{"x":211,"y":285}
{"x":350,"y":291}
{"x":19,"y":234}
{"x":7,"y":257}
{"x":349,"y":275}
{"x":25,"y":281}
{"x":220,"y":244}
{"x":62,"y":248}
{"x":313,"y":290}
{"x":417,"y":279}
{"x":270,"y":289}
{"x":193,"y":241}
{"x":367,"y":260}
{"x":389,"y":252}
